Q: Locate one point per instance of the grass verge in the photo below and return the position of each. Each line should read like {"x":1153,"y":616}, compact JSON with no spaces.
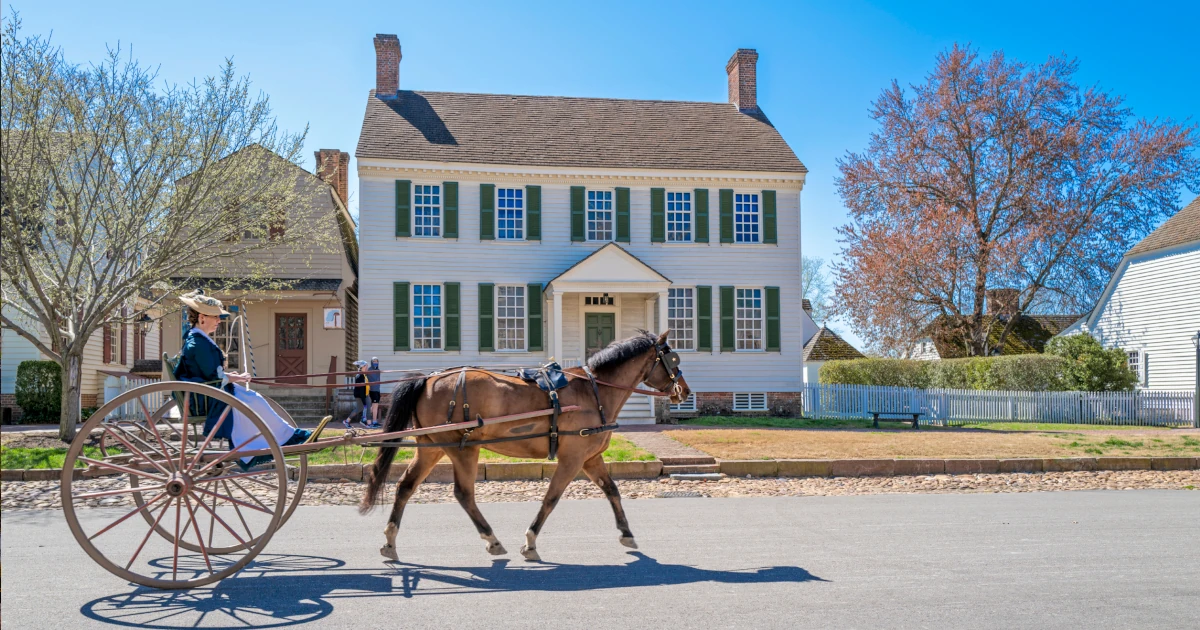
{"x":772,"y":422}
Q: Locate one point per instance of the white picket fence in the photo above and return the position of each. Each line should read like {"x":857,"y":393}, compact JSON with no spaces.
{"x":959,"y":406}
{"x":114,"y":386}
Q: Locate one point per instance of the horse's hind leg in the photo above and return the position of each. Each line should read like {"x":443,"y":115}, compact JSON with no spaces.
{"x":567,"y":468}
{"x":598,"y":473}
{"x":466,"y":466}
{"x":418,"y":469}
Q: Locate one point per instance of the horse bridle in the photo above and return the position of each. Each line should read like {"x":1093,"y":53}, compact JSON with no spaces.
{"x":669,"y":360}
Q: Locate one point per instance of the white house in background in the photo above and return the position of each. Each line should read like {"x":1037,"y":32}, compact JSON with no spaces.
{"x":823,"y":346}
{"x":500,"y":229}
{"x":1151,"y":306}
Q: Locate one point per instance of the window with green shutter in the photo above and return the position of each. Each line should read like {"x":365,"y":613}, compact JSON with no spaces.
{"x":400,"y":316}
{"x":658,"y":215}
{"x":726,"y":211}
{"x":770,"y":234}
{"x":774,"y":333}
{"x":578,"y":215}
{"x":622,"y":215}
{"x":450,"y":209}
{"x":403,"y":207}
{"x":452,"y":310}
{"x":728,"y":340}
{"x":487,"y":309}
{"x":487,"y":212}
{"x":533,"y":306}
{"x":701,"y":215}
{"x":704,"y":319}
{"x":533,"y":213}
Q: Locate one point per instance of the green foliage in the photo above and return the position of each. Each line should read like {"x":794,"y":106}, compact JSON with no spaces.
{"x":890,"y":372}
{"x":1026,"y":372}
{"x":1088,"y":366}
{"x":39,"y":390}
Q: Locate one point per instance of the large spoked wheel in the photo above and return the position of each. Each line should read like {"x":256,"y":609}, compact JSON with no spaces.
{"x":190,"y":489}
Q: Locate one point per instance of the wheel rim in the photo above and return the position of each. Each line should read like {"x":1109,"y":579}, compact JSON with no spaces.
{"x":186,"y":487}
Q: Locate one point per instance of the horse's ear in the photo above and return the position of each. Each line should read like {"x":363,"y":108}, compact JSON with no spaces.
{"x":663,"y":337}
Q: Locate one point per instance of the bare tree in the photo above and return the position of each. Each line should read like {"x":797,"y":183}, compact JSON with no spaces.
{"x":118,"y":192}
{"x":814,"y":281}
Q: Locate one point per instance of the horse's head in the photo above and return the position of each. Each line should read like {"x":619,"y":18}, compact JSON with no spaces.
{"x":665,"y":375}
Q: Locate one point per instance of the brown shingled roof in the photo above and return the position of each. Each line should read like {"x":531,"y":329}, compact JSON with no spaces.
{"x":571,"y":132}
{"x":1182,"y":228}
{"x":826,"y":345}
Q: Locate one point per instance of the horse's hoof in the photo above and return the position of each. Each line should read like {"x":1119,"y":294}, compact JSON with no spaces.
{"x":628,"y":541}
{"x":389,"y":552}
{"x":531,"y":555}
{"x":496,"y":549}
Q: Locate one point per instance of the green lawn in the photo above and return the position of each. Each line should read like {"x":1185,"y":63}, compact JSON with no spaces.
{"x":41,"y":457}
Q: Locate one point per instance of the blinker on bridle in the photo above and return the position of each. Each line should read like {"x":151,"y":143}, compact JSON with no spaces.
{"x":670,"y":363}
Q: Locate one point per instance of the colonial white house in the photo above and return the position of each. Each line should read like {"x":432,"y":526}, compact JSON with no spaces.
{"x":1151,"y":306}
{"x":499,"y":229}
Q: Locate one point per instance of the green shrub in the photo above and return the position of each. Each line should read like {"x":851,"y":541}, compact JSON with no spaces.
{"x":1026,"y":372}
{"x":39,"y":391}
{"x":1088,"y":366}
{"x":890,"y":372}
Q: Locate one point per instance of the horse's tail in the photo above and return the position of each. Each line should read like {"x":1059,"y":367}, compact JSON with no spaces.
{"x":404,"y":406}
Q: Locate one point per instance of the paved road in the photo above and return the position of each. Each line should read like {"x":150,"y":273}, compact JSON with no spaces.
{"x":1070,"y":559}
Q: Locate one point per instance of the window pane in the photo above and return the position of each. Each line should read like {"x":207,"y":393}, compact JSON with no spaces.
{"x":599,"y":215}
{"x":679,"y":217}
{"x":510,"y":214}
{"x":745,"y":218}
{"x":427,"y":210}
{"x":681,"y":311}
{"x":749,"y":319}
{"x":427,"y":316}
{"x":510,"y":318}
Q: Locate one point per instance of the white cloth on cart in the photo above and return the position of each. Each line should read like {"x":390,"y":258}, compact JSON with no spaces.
{"x":244,"y":429}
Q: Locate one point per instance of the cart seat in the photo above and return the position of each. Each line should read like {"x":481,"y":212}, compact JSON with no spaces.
{"x":198,"y":407}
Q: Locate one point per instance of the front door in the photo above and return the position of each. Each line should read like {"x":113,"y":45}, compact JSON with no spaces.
{"x":291,"y":353}
{"x":601,"y":329}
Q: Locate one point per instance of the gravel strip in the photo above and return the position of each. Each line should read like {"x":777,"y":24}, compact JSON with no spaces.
{"x":40,"y":495}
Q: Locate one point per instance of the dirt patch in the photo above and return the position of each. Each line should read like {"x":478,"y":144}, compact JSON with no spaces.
{"x":19,"y":440}
{"x":767,"y":444}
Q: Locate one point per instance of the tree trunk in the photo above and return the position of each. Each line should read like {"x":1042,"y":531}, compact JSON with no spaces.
{"x":72,"y":367}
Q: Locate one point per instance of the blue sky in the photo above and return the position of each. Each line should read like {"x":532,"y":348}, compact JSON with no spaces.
{"x":820,"y":63}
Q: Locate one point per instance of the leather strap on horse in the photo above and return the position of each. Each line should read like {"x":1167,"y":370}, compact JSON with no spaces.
{"x":460,"y":385}
{"x":553,"y":453}
{"x":596,"y":393}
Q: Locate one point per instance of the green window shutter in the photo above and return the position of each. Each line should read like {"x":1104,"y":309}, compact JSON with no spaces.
{"x":533,"y":213}
{"x":704,"y":319}
{"x":400,"y":293}
{"x":403,"y":207}
{"x":622,"y":215}
{"x":726,"y":210}
{"x":578,"y":214}
{"x":533,"y":308}
{"x":773,"y":330}
{"x":487,"y":307}
{"x":727,"y":328}
{"x":770,"y":235}
{"x":487,"y":212}
{"x":658,"y":215}
{"x":700,"y":210}
{"x":453,"y":327}
{"x":450,"y":209}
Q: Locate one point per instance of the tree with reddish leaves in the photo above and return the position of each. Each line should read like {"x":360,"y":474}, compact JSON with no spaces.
{"x":994,"y":174}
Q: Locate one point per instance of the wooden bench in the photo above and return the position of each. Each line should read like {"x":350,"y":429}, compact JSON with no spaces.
{"x":902,"y":416}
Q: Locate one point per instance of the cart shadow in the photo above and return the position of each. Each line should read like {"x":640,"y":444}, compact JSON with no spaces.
{"x":284,"y":590}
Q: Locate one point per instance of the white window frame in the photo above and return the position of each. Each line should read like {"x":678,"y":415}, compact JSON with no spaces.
{"x":434,"y":230}
{"x":690,"y":318}
{"x":738,"y":319}
{"x":750,"y":401}
{"x":524,"y":318}
{"x":689,"y":404}
{"x":588,"y":221}
{"x":740,"y":211}
{"x":1138,"y":363}
{"x":689,"y":211}
{"x":437,"y":342}
{"x":519,"y":219}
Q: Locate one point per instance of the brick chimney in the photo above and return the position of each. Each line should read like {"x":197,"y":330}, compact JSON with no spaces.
{"x":387,"y":66}
{"x":333,"y":166}
{"x":1003,"y":302}
{"x":743,"y":80}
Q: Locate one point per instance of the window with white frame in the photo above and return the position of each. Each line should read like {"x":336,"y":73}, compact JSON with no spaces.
{"x":681,"y":317}
{"x":1135,"y":363}
{"x":679,"y":217}
{"x":750,"y":402}
{"x":510,"y":214}
{"x":427,"y":317}
{"x":228,"y":340}
{"x":745,"y":218}
{"x":687,"y":405}
{"x":599,"y":215}
{"x":427,"y":210}
{"x":749,"y":319}
{"x":510,"y":318}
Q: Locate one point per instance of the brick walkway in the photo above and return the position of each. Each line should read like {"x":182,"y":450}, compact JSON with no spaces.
{"x":665,"y":448}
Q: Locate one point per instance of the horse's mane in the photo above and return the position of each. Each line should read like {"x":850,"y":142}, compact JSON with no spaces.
{"x":619,"y":352}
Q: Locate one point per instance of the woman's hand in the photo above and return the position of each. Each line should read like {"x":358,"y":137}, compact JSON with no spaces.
{"x":235,"y":377}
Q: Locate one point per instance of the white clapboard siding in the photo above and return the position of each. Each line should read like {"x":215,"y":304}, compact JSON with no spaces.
{"x":386,"y":259}
{"x":1154,"y":307}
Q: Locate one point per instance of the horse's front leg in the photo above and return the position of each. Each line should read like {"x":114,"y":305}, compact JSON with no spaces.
{"x":466,"y":467}
{"x":598,"y":473}
{"x":418,"y":469}
{"x":568,"y":468}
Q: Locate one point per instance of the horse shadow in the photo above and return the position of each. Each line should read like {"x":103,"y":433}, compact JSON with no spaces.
{"x":285,"y":590}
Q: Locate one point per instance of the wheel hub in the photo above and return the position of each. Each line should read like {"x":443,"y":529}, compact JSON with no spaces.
{"x":178,"y":485}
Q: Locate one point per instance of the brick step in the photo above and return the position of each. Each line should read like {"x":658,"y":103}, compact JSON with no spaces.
{"x":692,"y":469}
{"x":687,"y":461}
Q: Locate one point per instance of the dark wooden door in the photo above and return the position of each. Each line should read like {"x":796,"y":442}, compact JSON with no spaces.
{"x":291,"y":350}
{"x":600,"y":330}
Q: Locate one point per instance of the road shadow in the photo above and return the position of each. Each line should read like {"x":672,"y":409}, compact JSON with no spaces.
{"x":285,"y":590}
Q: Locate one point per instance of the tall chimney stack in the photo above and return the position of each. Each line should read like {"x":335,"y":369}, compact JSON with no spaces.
{"x":743,"y":79}
{"x":333,"y":166}
{"x":387,"y":66}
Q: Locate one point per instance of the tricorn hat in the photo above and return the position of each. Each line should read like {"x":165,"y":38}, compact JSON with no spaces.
{"x":197,"y":301}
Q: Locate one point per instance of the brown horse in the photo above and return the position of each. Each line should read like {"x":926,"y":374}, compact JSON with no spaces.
{"x":426,"y":402}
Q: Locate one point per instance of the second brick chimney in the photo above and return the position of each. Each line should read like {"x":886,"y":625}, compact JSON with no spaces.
{"x":387,"y":66}
{"x":333,"y":166}
{"x":743,"y":79}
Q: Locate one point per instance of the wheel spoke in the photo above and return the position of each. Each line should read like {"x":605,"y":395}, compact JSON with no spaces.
{"x":183,"y":432}
{"x":122,"y":519}
{"x":220,"y":520}
{"x":226,"y":455}
{"x":135,"y":452}
{"x":196,"y":527}
{"x":239,"y":512}
{"x":162,"y":513}
{"x":248,"y":493}
{"x":212,"y":522}
{"x":118,"y":468}
{"x":152,"y":427}
{"x":175,"y":560}
{"x":236,"y":502}
{"x":241,"y":476}
{"x":211,"y":434}
{"x":133,"y":437}
{"x":108,"y":493}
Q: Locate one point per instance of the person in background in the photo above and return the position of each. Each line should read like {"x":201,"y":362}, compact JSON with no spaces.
{"x":362,"y":395}
{"x":373,"y":380}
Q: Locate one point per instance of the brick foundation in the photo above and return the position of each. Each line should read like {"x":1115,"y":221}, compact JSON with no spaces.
{"x":12,"y":411}
{"x":783,"y":404}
